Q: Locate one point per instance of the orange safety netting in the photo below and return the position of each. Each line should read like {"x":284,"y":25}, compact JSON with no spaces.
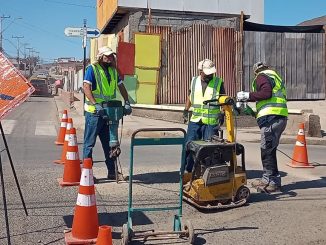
{"x":14,"y":87}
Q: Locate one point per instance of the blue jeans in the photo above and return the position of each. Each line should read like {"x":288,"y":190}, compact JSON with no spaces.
{"x":97,"y":126}
{"x":197,"y":131}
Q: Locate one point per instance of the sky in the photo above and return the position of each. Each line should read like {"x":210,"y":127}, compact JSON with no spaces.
{"x":42,"y":26}
{"x":43,"y":22}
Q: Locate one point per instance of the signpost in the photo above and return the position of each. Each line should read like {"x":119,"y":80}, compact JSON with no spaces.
{"x":79,"y":32}
{"x":83,"y":32}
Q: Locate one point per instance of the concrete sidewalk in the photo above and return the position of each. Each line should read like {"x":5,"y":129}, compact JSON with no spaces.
{"x":132,"y":123}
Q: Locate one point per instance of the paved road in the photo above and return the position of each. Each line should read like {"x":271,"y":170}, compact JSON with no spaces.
{"x":295,"y":216}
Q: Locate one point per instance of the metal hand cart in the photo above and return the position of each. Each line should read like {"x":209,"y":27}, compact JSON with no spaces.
{"x":179,"y":231}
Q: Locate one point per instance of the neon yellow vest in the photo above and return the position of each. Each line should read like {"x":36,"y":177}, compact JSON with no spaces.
{"x":276,"y":105}
{"x":207,"y":114}
{"x":104,"y":91}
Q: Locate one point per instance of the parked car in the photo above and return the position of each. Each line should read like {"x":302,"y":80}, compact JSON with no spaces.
{"x":41,"y":86}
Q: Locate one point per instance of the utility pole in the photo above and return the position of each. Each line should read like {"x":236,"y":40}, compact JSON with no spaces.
{"x":18,"y":37}
{"x":1,"y":19}
{"x":29,"y":61}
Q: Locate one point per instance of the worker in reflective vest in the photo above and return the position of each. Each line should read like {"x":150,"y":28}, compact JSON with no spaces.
{"x":100,"y":85}
{"x":205,"y":119}
{"x":270,"y":95}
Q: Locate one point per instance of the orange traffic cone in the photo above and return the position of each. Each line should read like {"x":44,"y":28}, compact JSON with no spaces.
{"x":104,"y":236}
{"x":71,"y":172}
{"x":62,"y":131}
{"x":300,"y":155}
{"x":65,"y":145}
{"x":85,"y":223}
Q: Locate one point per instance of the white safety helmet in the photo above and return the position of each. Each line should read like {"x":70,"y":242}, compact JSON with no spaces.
{"x":259,"y":65}
{"x":104,"y":51}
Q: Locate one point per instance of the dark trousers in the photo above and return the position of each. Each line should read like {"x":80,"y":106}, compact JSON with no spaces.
{"x":197,"y":131}
{"x":271,"y":133}
{"x":97,"y":126}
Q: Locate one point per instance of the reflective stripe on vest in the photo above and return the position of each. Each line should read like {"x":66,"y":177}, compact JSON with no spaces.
{"x":104,"y":91}
{"x":276,"y":105}
{"x":207,"y":114}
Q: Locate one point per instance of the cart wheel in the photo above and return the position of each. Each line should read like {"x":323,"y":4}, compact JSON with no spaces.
{"x":190,"y":230}
{"x":242,"y":193}
{"x":125,"y":235}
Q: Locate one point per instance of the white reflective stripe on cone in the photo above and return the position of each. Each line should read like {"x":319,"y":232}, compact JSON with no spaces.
{"x":301,"y":132}
{"x":72,"y":156}
{"x":63,"y":124}
{"x":64,"y":116}
{"x":86,"y":200}
{"x":69,"y":125}
{"x":67,"y":136}
{"x":298,"y":143}
{"x":72,"y":140}
{"x":87,"y":178}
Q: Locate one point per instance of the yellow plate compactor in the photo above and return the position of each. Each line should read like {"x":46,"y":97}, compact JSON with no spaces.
{"x":217,"y":181}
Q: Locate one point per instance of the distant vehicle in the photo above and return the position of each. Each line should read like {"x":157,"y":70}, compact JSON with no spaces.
{"x":41,"y":86}
{"x":41,"y":75}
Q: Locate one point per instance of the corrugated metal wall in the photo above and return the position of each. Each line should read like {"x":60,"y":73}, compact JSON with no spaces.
{"x":181,"y":52}
{"x":298,"y":57}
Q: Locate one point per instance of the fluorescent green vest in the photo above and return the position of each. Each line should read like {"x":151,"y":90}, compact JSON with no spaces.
{"x":276,"y":105}
{"x":104,"y":91}
{"x":207,"y":114}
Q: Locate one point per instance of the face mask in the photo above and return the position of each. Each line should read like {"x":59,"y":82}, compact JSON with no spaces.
{"x":208,"y":78}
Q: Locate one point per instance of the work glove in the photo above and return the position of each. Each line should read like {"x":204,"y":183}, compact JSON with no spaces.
{"x":185,"y":115}
{"x":99,"y":110}
{"x":242,"y":96}
{"x":127,"y":108}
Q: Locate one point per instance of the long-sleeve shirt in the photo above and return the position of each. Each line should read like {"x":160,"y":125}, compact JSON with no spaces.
{"x":264,"y":88}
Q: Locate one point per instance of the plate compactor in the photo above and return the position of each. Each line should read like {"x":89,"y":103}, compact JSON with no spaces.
{"x":217,"y":181}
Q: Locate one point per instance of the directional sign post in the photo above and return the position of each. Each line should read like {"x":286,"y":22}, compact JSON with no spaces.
{"x":83,"y":32}
{"x":79,"y":32}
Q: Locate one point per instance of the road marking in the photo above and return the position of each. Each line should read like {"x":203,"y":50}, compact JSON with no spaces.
{"x":8,"y":125}
{"x":45,"y":128}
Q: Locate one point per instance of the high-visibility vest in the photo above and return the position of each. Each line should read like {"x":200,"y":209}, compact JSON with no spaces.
{"x":207,"y":114}
{"x":104,"y":91}
{"x":276,"y":105}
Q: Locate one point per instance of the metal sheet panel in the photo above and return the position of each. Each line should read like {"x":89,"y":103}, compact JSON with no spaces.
{"x":298,"y":57}
{"x":132,"y":3}
{"x":185,"y":48}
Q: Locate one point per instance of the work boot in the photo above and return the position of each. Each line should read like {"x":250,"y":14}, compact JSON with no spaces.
{"x":259,"y":183}
{"x":113,"y":177}
{"x":272,"y":188}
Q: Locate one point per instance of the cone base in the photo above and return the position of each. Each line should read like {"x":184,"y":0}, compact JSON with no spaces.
{"x":65,"y":184}
{"x":300,"y":166}
{"x":58,"y":142}
{"x":69,"y":239}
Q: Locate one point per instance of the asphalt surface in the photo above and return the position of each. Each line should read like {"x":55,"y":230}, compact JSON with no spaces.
{"x":295,"y":216}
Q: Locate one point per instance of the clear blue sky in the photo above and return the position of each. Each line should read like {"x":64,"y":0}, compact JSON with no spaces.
{"x":44,"y":22}
{"x":293,"y":12}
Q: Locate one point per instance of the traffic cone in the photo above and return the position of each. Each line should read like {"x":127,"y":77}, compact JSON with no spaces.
{"x":300,"y":155}
{"x":62,"y":131}
{"x":65,"y":145}
{"x":104,"y":236}
{"x":71,"y":172}
{"x":85,"y":223}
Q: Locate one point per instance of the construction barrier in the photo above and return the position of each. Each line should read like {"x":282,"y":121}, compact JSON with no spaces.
{"x":300,"y":154}
{"x":71,"y":172}
{"x":85,"y":222}
{"x":62,"y":131}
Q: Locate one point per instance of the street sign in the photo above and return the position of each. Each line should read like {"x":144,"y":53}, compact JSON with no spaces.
{"x":74,"y":31}
{"x":93,"y":32}
{"x":79,"y":32}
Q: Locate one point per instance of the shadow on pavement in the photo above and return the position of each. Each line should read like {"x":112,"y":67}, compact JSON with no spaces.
{"x":158,"y":177}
